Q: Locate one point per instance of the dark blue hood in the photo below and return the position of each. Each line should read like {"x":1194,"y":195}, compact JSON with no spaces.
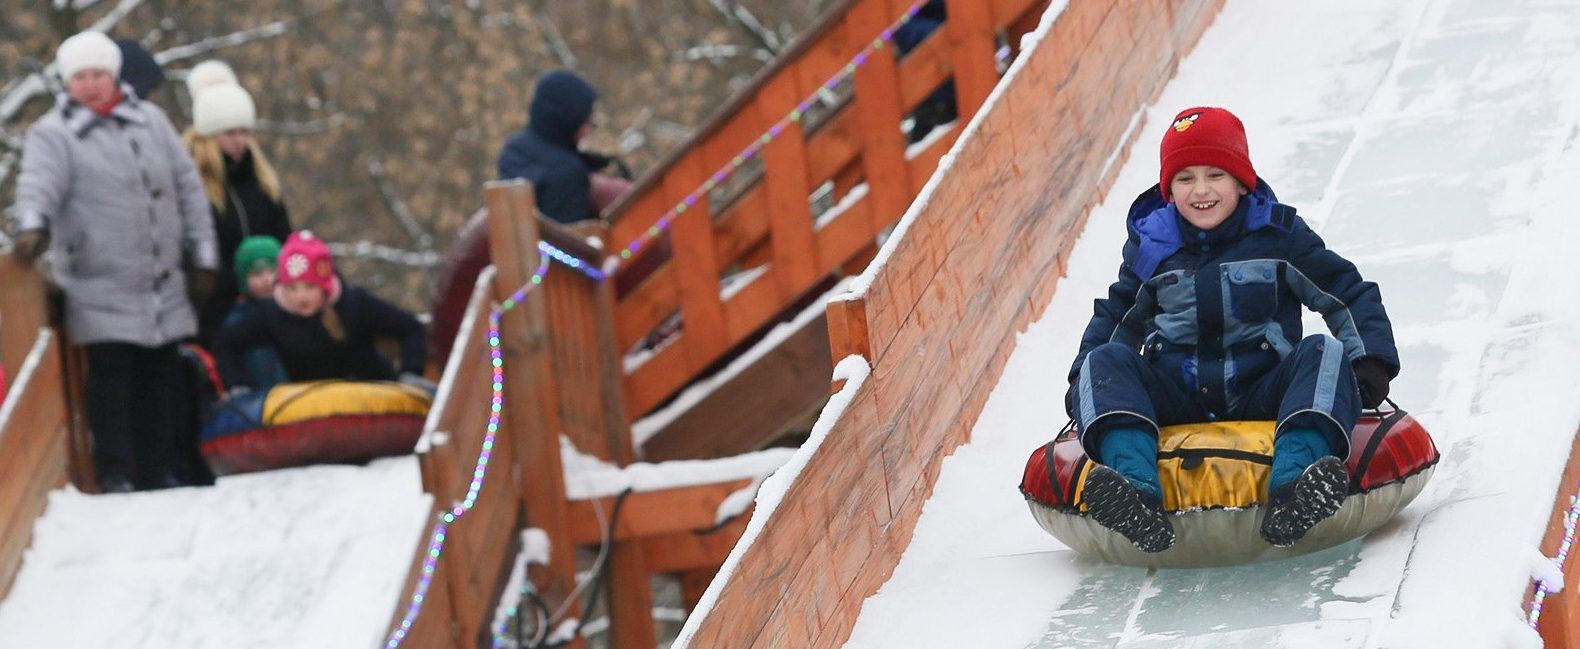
{"x":1157,"y":223}
{"x":139,"y":68}
{"x":562,"y":103}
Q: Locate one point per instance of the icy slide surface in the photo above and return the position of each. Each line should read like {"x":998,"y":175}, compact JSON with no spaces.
{"x":1432,"y":142}
{"x":293,"y":559}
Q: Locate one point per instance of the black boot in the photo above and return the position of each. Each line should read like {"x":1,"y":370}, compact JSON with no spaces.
{"x":1295,"y":507}
{"x":1118,"y":505}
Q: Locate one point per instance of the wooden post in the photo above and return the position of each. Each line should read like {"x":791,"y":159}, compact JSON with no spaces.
{"x":695,"y":269}
{"x":795,"y":262}
{"x":847,"y":329}
{"x":531,"y":415}
{"x":970,"y":30}
{"x":587,"y":371}
{"x":879,"y":111}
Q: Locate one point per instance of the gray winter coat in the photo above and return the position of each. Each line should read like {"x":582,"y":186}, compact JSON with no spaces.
{"x":125,"y":210}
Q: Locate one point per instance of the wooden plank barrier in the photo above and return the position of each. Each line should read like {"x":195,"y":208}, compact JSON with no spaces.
{"x":975,"y":265}
{"x":452,"y":433}
{"x":34,"y":433}
{"x":33,"y":442}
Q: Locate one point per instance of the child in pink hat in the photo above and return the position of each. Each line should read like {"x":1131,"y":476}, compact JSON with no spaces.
{"x":322,"y":328}
{"x":306,"y":275}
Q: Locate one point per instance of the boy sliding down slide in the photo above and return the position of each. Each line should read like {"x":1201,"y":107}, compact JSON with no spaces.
{"x":1203,"y":325}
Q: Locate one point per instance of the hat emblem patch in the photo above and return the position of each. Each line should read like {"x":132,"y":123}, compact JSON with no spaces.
{"x":1185,"y":122}
{"x":296,"y":265}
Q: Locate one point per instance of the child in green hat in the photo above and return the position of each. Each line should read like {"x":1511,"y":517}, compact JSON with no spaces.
{"x":255,"y":267}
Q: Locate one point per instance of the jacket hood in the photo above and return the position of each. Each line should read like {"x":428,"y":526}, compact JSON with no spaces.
{"x":1157,"y":223}
{"x":561,"y":104}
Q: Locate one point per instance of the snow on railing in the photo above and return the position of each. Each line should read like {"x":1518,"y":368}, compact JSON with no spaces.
{"x":853,"y":370}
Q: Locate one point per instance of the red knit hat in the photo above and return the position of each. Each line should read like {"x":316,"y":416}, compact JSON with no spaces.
{"x":1205,"y":136}
{"x":305,"y":258}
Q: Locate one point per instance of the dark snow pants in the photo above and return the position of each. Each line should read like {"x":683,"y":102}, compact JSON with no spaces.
{"x":132,"y":394}
{"x":1312,"y":387}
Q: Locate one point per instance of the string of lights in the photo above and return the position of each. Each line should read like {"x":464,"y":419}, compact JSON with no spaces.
{"x":1571,"y":519}
{"x":441,"y":527}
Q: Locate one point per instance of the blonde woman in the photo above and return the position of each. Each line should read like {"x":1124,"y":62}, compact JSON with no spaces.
{"x":242,"y":188}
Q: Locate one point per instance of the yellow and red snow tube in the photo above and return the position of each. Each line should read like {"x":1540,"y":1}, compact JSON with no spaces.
{"x":296,"y":424}
{"x":1214,"y":478}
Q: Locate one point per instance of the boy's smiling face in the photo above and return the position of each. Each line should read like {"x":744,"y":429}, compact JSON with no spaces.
{"x":1205,"y":195}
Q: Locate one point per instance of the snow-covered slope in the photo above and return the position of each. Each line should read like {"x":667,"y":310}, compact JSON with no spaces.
{"x":1434,"y":143}
{"x":292,"y":559}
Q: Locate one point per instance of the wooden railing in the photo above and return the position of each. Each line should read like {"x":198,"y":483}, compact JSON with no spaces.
{"x":563,"y":344}
{"x":767,"y":221}
{"x":34,"y":434}
{"x":561,"y":379}
{"x":936,"y":322}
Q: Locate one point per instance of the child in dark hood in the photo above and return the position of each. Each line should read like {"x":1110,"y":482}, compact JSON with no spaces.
{"x":1210,"y":292}
{"x":321,"y":328}
{"x":545,"y":152}
{"x":255,"y":266}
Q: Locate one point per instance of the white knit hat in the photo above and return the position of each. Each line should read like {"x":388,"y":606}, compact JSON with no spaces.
{"x":87,"y":50}
{"x":217,"y":109}
{"x":212,"y":72}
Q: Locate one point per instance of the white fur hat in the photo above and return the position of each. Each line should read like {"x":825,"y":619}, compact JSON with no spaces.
{"x":207,"y":74}
{"x":217,"y":109}
{"x":87,"y":50}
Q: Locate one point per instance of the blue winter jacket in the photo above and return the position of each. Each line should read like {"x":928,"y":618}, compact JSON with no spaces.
{"x":1218,"y":309}
{"x":545,"y":151}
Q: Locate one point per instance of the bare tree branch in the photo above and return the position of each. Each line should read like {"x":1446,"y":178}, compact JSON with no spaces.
{"x":719,"y":52}
{"x":672,"y":131}
{"x":634,"y":136}
{"x":557,"y":44}
{"x":398,"y":207}
{"x":79,"y":5}
{"x":20,"y":91}
{"x":769,"y":37}
{"x":109,"y":20}
{"x":212,"y":43}
{"x":364,"y":250}
{"x":743,"y":18}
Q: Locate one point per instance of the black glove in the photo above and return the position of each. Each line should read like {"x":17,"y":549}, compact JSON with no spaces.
{"x":1371,"y":376}
{"x":601,"y":162}
{"x":594,"y":161}
{"x":1069,"y":398}
{"x":200,"y":286}
{"x":29,"y":245}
